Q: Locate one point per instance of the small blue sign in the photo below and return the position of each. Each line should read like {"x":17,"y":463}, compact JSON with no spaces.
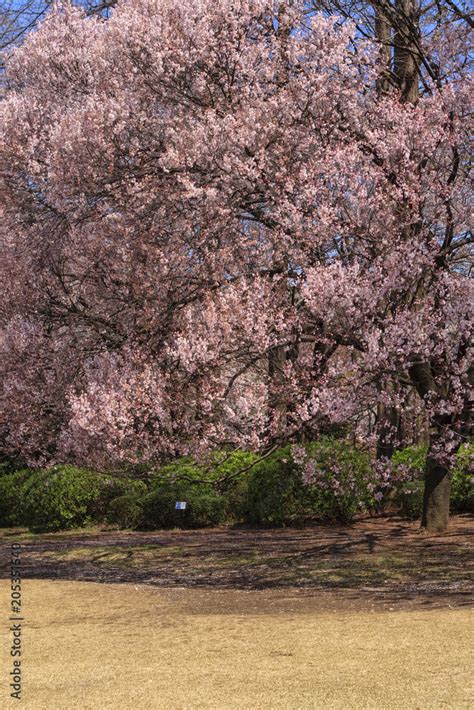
{"x":180,"y":505}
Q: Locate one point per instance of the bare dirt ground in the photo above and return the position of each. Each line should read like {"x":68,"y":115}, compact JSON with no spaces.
{"x":383,"y":563}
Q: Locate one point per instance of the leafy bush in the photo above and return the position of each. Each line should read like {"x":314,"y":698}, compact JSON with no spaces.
{"x":59,"y":498}
{"x":112,"y":487}
{"x":204,"y":506}
{"x":11,"y":497}
{"x":408,"y":498}
{"x":216,"y":465}
{"x":462,"y":484}
{"x":408,"y":466}
{"x":185,"y":468}
{"x":235,"y":494}
{"x":126,"y":511}
{"x":410,"y":461}
{"x":341,"y":479}
{"x":233,"y":470}
{"x":328,"y":479}
{"x":407,"y":470}
{"x":228,"y":465}
{"x":223,"y":484}
{"x":275,"y":493}
{"x":10,"y":464}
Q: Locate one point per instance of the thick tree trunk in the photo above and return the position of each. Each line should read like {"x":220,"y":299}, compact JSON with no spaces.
{"x":406,"y":56}
{"x":436,"y":497}
{"x":383,"y":34}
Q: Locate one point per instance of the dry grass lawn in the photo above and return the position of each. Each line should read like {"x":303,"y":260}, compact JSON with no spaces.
{"x":98,"y":646}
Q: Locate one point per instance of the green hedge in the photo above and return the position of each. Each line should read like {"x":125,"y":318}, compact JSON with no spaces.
{"x":111,"y":488}
{"x":326,"y":480}
{"x":274,"y":493}
{"x":342,"y":483}
{"x":410,"y":463}
{"x":59,"y":498}
{"x":213,"y":467}
{"x":412,"y":458}
{"x":204,"y":506}
{"x":126,"y":511}
{"x":462,"y":484}
{"x":11,"y":497}
{"x":213,"y":487}
{"x":408,"y":499}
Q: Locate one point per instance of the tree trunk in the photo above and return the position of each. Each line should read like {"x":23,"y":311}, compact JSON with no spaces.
{"x":383,"y":35}
{"x":436,"y":497}
{"x":388,"y":421}
{"x":406,"y":55}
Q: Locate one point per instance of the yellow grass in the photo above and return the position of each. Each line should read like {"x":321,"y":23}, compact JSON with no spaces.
{"x":109,"y":646}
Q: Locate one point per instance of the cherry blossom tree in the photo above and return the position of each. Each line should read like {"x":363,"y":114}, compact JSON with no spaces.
{"x":218,"y":229}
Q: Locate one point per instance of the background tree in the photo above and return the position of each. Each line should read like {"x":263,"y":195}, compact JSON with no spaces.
{"x":411,"y":35}
{"x":167,"y":183}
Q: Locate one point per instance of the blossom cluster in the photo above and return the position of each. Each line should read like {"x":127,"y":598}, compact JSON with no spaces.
{"x":216,"y":231}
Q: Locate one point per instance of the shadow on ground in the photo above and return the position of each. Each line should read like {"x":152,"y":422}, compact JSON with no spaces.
{"x":385,"y":561}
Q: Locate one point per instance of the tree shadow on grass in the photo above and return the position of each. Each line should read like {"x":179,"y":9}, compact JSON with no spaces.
{"x":385,"y":560}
